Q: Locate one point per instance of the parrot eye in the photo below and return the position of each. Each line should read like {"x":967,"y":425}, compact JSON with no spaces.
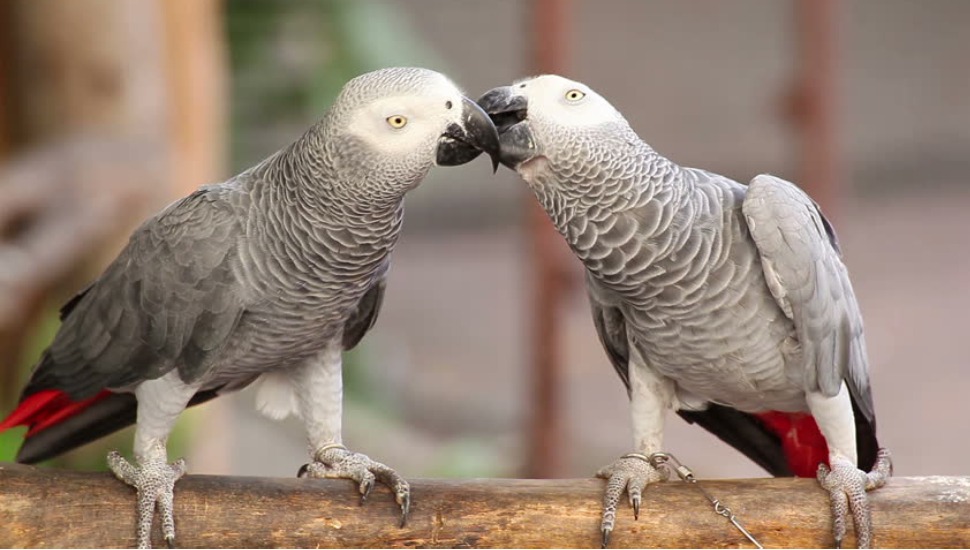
{"x":397,"y":121}
{"x":575,"y":95}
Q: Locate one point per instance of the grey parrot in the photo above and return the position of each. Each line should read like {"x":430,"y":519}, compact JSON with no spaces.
{"x":270,"y":275}
{"x":728,"y":303}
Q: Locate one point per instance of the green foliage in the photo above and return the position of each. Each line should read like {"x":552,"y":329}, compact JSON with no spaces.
{"x":10,"y":441}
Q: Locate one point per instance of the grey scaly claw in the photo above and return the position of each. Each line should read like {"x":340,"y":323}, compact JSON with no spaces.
{"x":606,"y":537}
{"x":630,"y":473}
{"x":336,"y":462}
{"x":365,"y":489}
{"x":154,"y":480}
{"x":405,"y":504}
{"x":847,"y":486}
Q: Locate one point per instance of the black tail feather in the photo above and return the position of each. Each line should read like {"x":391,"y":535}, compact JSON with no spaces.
{"x":103,"y":417}
{"x":749,"y":435}
{"x":867,"y":446}
{"x":744,"y":432}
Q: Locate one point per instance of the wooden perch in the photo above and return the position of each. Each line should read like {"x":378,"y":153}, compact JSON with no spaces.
{"x":51,"y":508}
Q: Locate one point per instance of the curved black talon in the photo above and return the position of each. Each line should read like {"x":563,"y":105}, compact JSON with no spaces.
{"x":405,"y":510}
{"x":606,"y":538}
{"x":636,"y":509}
{"x":302,"y":472}
{"x":367,"y":490}
{"x":170,"y":542}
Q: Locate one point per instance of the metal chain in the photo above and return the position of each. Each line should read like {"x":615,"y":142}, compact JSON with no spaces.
{"x":666,"y":460}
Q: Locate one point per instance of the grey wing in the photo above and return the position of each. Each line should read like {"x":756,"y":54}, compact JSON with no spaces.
{"x":364,"y":317}
{"x":805,"y":273}
{"x":611,"y":329}
{"x":170,"y":299}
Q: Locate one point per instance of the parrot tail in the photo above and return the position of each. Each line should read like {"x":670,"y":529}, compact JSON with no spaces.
{"x":57,"y":424}
{"x":782,"y":443}
{"x":46,"y":408}
{"x":802,"y":442}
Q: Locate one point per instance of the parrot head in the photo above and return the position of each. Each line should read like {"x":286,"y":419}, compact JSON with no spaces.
{"x":393,"y":125}
{"x":550,"y":118}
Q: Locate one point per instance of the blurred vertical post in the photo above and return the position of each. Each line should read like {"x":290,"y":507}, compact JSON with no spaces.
{"x":550,"y":21}
{"x":109,"y":102}
{"x":73,"y":73}
{"x":815,"y":109}
{"x":9,"y":340}
{"x":196,"y":67}
{"x":6,"y":28}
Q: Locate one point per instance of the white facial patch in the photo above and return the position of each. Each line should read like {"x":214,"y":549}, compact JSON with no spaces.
{"x":424,"y":118}
{"x":566,"y":102}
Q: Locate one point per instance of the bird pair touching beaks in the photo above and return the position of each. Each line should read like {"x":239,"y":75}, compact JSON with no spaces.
{"x":727,"y":303}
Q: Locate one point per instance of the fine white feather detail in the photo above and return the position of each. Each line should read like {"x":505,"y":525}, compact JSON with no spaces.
{"x":275,"y":397}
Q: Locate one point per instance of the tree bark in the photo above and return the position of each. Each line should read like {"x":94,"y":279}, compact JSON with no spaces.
{"x":50,"y":508}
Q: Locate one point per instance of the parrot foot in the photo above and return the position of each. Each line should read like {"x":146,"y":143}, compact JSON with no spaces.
{"x":847,"y":486}
{"x":336,"y":462}
{"x":154,"y":479}
{"x":630,"y":473}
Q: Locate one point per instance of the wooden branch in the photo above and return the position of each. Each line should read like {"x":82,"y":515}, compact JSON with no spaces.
{"x":50,"y":508}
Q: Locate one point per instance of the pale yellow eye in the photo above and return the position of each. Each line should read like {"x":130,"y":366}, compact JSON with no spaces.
{"x":575,"y":95}
{"x":397,"y":121}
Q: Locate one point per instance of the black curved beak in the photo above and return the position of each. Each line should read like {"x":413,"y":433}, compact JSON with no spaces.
{"x":464,"y":141}
{"x":508,"y":110}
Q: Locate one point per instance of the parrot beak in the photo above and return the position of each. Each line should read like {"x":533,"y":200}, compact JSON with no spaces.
{"x":508,"y":111}
{"x":464,"y":141}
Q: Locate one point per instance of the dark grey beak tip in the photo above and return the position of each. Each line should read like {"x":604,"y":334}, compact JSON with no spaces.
{"x":504,"y":107}
{"x":481,"y":130}
{"x":461,"y":143}
{"x":507,"y":109}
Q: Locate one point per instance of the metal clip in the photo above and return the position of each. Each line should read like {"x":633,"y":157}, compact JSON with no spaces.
{"x":660,"y":460}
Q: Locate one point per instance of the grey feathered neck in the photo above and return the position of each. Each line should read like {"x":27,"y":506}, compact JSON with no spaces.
{"x":326,"y":172}
{"x":627,"y":175}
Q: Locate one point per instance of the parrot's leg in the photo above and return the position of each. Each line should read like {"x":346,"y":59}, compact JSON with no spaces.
{"x":319,"y":389}
{"x":160,"y":401}
{"x":844,"y":481}
{"x":650,"y":397}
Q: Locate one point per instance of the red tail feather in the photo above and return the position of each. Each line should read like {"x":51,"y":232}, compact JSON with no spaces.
{"x":801,"y":440}
{"x":46,"y":408}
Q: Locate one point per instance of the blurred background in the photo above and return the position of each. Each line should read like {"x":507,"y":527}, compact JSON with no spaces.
{"x":484,"y":361}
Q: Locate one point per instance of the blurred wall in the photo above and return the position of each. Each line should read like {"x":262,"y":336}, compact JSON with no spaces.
{"x":706,"y":81}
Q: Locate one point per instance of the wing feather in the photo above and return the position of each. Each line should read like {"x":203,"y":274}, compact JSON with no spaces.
{"x":169,"y":299}
{"x":611,"y":329}
{"x":807,"y":277}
